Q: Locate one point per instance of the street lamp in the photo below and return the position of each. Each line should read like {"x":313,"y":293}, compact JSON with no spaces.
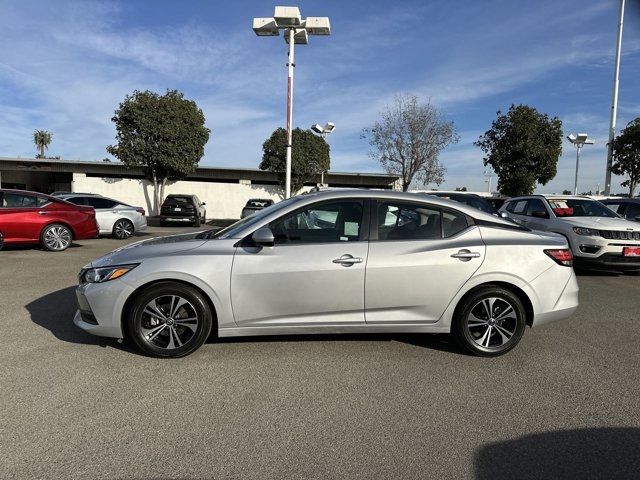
{"x":296,"y":31}
{"x":579,"y":140}
{"x":323,"y":130}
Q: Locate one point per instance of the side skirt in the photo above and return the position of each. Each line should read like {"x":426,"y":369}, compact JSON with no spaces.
{"x":330,"y":329}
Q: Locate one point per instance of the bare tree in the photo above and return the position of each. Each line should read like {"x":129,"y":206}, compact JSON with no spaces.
{"x":408,"y":138}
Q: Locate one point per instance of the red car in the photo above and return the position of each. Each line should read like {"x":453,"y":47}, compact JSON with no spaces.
{"x":29,"y":217}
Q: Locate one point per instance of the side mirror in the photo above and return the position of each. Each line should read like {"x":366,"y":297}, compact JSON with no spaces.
{"x":540,"y":214}
{"x":204,"y":203}
{"x":263,"y":237}
{"x":504,"y":214}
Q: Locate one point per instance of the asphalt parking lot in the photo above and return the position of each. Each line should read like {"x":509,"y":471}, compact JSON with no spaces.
{"x":564,"y":404}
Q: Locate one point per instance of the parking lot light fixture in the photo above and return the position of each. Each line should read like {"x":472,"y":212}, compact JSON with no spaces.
{"x":296,"y":32}
{"x":323,"y":130}
{"x":579,"y":140}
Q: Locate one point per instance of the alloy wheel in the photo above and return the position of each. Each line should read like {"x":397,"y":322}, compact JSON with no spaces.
{"x":492,"y":322}
{"x":169,"y":322}
{"x":57,"y":238}
{"x":123,"y":229}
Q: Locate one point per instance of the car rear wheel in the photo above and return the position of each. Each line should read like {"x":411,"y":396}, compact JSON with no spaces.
{"x":56,"y":237}
{"x":170,"y":319}
{"x":489,"y":322}
{"x":123,"y":229}
{"x":197,"y":222}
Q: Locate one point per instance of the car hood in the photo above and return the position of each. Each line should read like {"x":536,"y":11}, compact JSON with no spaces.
{"x":602,"y":223}
{"x":153,"y":247}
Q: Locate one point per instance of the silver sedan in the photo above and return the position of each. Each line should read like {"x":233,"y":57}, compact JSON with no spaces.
{"x":334,"y":262}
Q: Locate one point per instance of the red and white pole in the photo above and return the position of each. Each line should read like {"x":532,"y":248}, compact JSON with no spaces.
{"x":291,"y":65}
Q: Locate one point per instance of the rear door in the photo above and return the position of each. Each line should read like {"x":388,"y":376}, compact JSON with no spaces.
{"x":419,"y":258}
{"x":106,"y":212}
{"x":537,"y":215}
{"x":517,"y":210}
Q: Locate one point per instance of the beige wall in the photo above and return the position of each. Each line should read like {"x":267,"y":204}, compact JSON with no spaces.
{"x":224,"y":200}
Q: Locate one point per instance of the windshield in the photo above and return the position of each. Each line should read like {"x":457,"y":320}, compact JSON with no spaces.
{"x":471,"y":200}
{"x":233,"y":229}
{"x":579,"y":207}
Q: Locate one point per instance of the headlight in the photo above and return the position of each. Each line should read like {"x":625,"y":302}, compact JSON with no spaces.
{"x":586,"y":231}
{"x":104,"y":274}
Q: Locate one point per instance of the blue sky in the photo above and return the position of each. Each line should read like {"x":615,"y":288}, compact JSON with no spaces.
{"x":65,"y":66}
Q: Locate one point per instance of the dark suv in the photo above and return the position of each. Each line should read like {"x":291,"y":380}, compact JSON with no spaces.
{"x":628,"y":208}
{"x":183,"y":209}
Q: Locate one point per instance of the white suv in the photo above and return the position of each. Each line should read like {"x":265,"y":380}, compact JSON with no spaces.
{"x":598,"y":237}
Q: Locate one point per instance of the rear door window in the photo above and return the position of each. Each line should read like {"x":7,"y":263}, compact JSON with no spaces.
{"x":97,"y":202}
{"x":18,"y":200}
{"x":535,"y":205}
{"x":517,"y":207}
{"x":407,"y":221}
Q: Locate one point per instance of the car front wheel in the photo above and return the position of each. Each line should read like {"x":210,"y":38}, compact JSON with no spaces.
{"x":489,"y":322}
{"x":169,"y":319}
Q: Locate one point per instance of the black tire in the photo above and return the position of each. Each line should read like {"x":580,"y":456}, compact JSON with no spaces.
{"x":189,"y":339}
{"x":56,"y":237}
{"x":633,"y":273}
{"x":163,"y":223}
{"x":122,"y":229}
{"x":471,"y":334}
{"x":197,"y":222}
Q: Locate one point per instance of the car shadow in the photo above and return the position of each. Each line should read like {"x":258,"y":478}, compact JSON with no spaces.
{"x":605,"y":453}
{"x":55,"y":311}
{"x":429,"y":341}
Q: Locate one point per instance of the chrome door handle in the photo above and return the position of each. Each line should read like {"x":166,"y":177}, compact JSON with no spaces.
{"x":40,"y":212}
{"x":347,"y":260}
{"x":465,"y":255}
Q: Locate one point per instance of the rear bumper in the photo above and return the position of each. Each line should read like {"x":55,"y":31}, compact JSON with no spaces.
{"x":608,"y":262}
{"x":177,"y":218}
{"x":86,"y":234}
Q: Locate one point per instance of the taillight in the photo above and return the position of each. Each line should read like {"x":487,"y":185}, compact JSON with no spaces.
{"x":140,"y":211}
{"x":562,"y":256}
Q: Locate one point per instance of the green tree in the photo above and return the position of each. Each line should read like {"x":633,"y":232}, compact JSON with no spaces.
{"x":626,"y":155}
{"x":408,"y":138}
{"x":523,"y":147}
{"x":309,"y":157}
{"x":42,"y":139}
{"x":163,"y":134}
{"x":567,"y":192}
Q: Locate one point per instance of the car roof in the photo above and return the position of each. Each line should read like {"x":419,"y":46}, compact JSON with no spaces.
{"x":620,"y":200}
{"x":552,"y":196}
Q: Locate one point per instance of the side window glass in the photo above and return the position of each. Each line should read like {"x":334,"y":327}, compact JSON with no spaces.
{"x":78,"y":201}
{"x":517,"y":207}
{"x":16,"y":200}
{"x":397,"y":221}
{"x":613,"y":206}
{"x":633,"y":211}
{"x":100,"y":202}
{"x":41,"y":201}
{"x":324,"y":223}
{"x":453,"y":223}
{"x":535,"y":205}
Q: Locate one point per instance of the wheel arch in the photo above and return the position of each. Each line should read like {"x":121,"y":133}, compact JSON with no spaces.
{"x":517,"y":291}
{"x":57,"y":222}
{"x":126,"y":309}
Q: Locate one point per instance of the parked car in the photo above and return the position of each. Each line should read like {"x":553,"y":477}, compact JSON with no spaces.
{"x":628,"y":208}
{"x":32,"y":218}
{"x":471,"y":199}
{"x":183,"y":209}
{"x":496,"y":202}
{"x":114,"y":217}
{"x":598,"y":237}
{"x":254,"y":205}
{"x":334,"y":262}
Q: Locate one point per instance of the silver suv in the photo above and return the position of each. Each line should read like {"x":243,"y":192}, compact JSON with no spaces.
{"x":598,"y":237}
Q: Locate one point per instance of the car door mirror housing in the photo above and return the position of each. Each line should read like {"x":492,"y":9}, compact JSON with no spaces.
{"x":203,"y":203}
{"x":539,"y":214}
{"x":504,"y":214}
{"x":263,"y":237}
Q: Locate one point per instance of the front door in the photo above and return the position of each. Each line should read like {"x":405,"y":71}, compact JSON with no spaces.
{"x":419,"y":259}
{"x":313,"y":275}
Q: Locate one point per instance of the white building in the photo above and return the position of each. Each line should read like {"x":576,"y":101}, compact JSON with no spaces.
{"x":225,"y":190}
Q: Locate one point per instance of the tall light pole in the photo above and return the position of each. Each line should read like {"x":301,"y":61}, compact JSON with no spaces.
{"x":323,"y":130}
{"x":579,"y":140}
{"x":296,"y":31}
{"x":614,"y":102}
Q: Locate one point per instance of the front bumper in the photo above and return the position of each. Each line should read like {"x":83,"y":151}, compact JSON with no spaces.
{"x":608,"y":262}
{"x":100,"y":307}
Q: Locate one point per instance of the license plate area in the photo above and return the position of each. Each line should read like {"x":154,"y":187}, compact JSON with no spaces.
{"x":631,"y":251}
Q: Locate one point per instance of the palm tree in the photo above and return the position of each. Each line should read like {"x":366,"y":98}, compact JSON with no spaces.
{"x":42,"y":139}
